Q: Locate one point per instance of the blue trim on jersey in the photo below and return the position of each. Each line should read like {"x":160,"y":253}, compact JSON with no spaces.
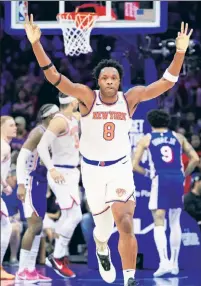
{"x":66,"y":166}
{"x":102,"y":163}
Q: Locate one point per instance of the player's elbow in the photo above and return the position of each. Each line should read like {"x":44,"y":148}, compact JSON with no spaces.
{"x":52,"y":75}
{"x":168,"y":84}
{"x":196,"y":161}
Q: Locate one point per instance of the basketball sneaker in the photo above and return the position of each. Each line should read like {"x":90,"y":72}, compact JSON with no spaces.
{"x":4,"y":275}
{"x":106,"y":268}
{"x":132,"y":282}
{"x":31,"y":276}
{"x":175,"y":270}
{"x":60,"y":266}
{"x":164,"y":268}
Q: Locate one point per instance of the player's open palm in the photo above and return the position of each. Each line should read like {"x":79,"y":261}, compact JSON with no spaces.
{"x":33,"y":31}
{"x":183,"y":38}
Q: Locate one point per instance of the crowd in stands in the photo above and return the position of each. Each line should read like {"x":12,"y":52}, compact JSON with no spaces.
{"x":23,"y":90}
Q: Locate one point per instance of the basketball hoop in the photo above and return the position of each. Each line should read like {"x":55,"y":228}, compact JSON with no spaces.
{"x":76,"y":27}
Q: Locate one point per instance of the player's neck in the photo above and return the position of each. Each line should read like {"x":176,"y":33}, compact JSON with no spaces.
{"x":67,"y":112}
{"x":108,"y":99}
{"x":6,"y":138}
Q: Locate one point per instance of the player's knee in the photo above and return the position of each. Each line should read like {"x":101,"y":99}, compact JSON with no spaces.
{"x":15,"y":228}
{"x":36,"y":228}
{"x":159,"y":217}
{"x":126,"y":224}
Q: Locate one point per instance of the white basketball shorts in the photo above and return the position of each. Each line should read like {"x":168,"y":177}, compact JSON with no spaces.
{"x":67,"y":193}
{"x":106,"y":185}
{"x":4,"y":210}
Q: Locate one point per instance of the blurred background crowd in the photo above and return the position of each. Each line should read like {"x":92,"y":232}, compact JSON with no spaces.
{"x":23,"y":90}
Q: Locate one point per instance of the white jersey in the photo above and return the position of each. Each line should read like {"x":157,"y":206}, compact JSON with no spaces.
{"x":65,"y":148}
{"x":105,"y":130}
{"x":5,"y":159}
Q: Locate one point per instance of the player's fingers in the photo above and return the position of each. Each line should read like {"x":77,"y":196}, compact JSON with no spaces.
{"x":27,"y":19}
{"x":190,"y":33}
{"x":182,"y":27}
{"x":186,"y":29}
{"x":178,"y":34}
{"x":31,"y":20}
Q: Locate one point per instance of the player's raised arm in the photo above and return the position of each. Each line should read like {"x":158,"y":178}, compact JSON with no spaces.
{"x":57,"y":126}
{"x":170,"y":77}
{"x":192,"y":154}
{"x":82,"y":92}
{"x":141,"y":147}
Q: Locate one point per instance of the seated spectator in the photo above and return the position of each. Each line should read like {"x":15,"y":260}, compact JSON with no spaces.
{"x":22,"y":133}
{"x":15,"y":211}
{"x":24,"y":106}
{"x":192,"y":200}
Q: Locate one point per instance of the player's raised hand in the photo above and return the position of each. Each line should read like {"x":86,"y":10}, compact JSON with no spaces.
{"x":33,"y":31}
{"x":183,"y":37}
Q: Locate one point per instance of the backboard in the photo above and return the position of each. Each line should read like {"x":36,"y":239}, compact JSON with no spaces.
{"x":114,"y":16}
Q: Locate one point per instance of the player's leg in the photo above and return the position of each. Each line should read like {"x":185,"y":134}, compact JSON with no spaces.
{"x":123,"y":216}
{"x":94,"y":181}
{"x":158,"y":203}
{"x":34,"y":209}
{"x":121,"y":194}
{"x":175,"y":238}
{"x":6,"y":230}
{"x":15,"y":240}
{"x":70,"y":217}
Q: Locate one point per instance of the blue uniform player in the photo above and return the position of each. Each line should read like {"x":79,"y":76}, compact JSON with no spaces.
{"x":165,"y":148}
{"x":32,"y":188}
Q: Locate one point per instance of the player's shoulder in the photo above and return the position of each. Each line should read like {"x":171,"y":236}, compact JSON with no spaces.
{"x":5,"y":145}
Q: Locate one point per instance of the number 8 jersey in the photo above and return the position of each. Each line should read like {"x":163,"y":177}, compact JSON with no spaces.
{"x":165,"y":153}
{"x":105,"y":130}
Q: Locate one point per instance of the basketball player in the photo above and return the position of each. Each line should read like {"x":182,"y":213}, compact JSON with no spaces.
{"x":105,"y":146}
{"x":63,"y":178}
{"x":32,"y":188}
{"x":8,"y":131}
{"x":166,"y":171}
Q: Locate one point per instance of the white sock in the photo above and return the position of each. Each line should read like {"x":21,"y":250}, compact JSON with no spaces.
{"x":60,"y":249}
{"x":6,"y":230}
{"x":175,"y":234}
{"x":34,"y":253}
{"x":128,"y":273}
{"x":161,"y":242}
{"x":24,"y":259}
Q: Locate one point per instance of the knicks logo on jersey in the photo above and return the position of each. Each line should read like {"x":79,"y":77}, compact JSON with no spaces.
{"x":112,"y":115}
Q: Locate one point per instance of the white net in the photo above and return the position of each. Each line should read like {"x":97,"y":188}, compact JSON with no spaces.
{"x":76,"y":28}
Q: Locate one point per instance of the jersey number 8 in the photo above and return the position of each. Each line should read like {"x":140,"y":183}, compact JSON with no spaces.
{"x":166,"y":153}
{"x":108,"y":131}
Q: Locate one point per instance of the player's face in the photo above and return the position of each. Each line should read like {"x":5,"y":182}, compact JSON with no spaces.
{"x":109,"y":81}
{"x":9,"y":128}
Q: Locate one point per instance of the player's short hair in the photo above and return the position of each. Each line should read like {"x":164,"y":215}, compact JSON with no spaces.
{"x":4,"y":118}
{"x":158,"y":118}
{"x":107,"y":64}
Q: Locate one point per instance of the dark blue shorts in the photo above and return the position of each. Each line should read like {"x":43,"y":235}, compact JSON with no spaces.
{"x":167,"y":191}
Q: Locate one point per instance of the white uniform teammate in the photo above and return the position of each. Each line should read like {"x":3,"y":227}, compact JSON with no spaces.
{"x":63,"y":178}
{"x":109,"y":124}
{"x":8,"y":131}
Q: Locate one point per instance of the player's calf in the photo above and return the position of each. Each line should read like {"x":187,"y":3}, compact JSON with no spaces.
{"x":123,"y":215}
